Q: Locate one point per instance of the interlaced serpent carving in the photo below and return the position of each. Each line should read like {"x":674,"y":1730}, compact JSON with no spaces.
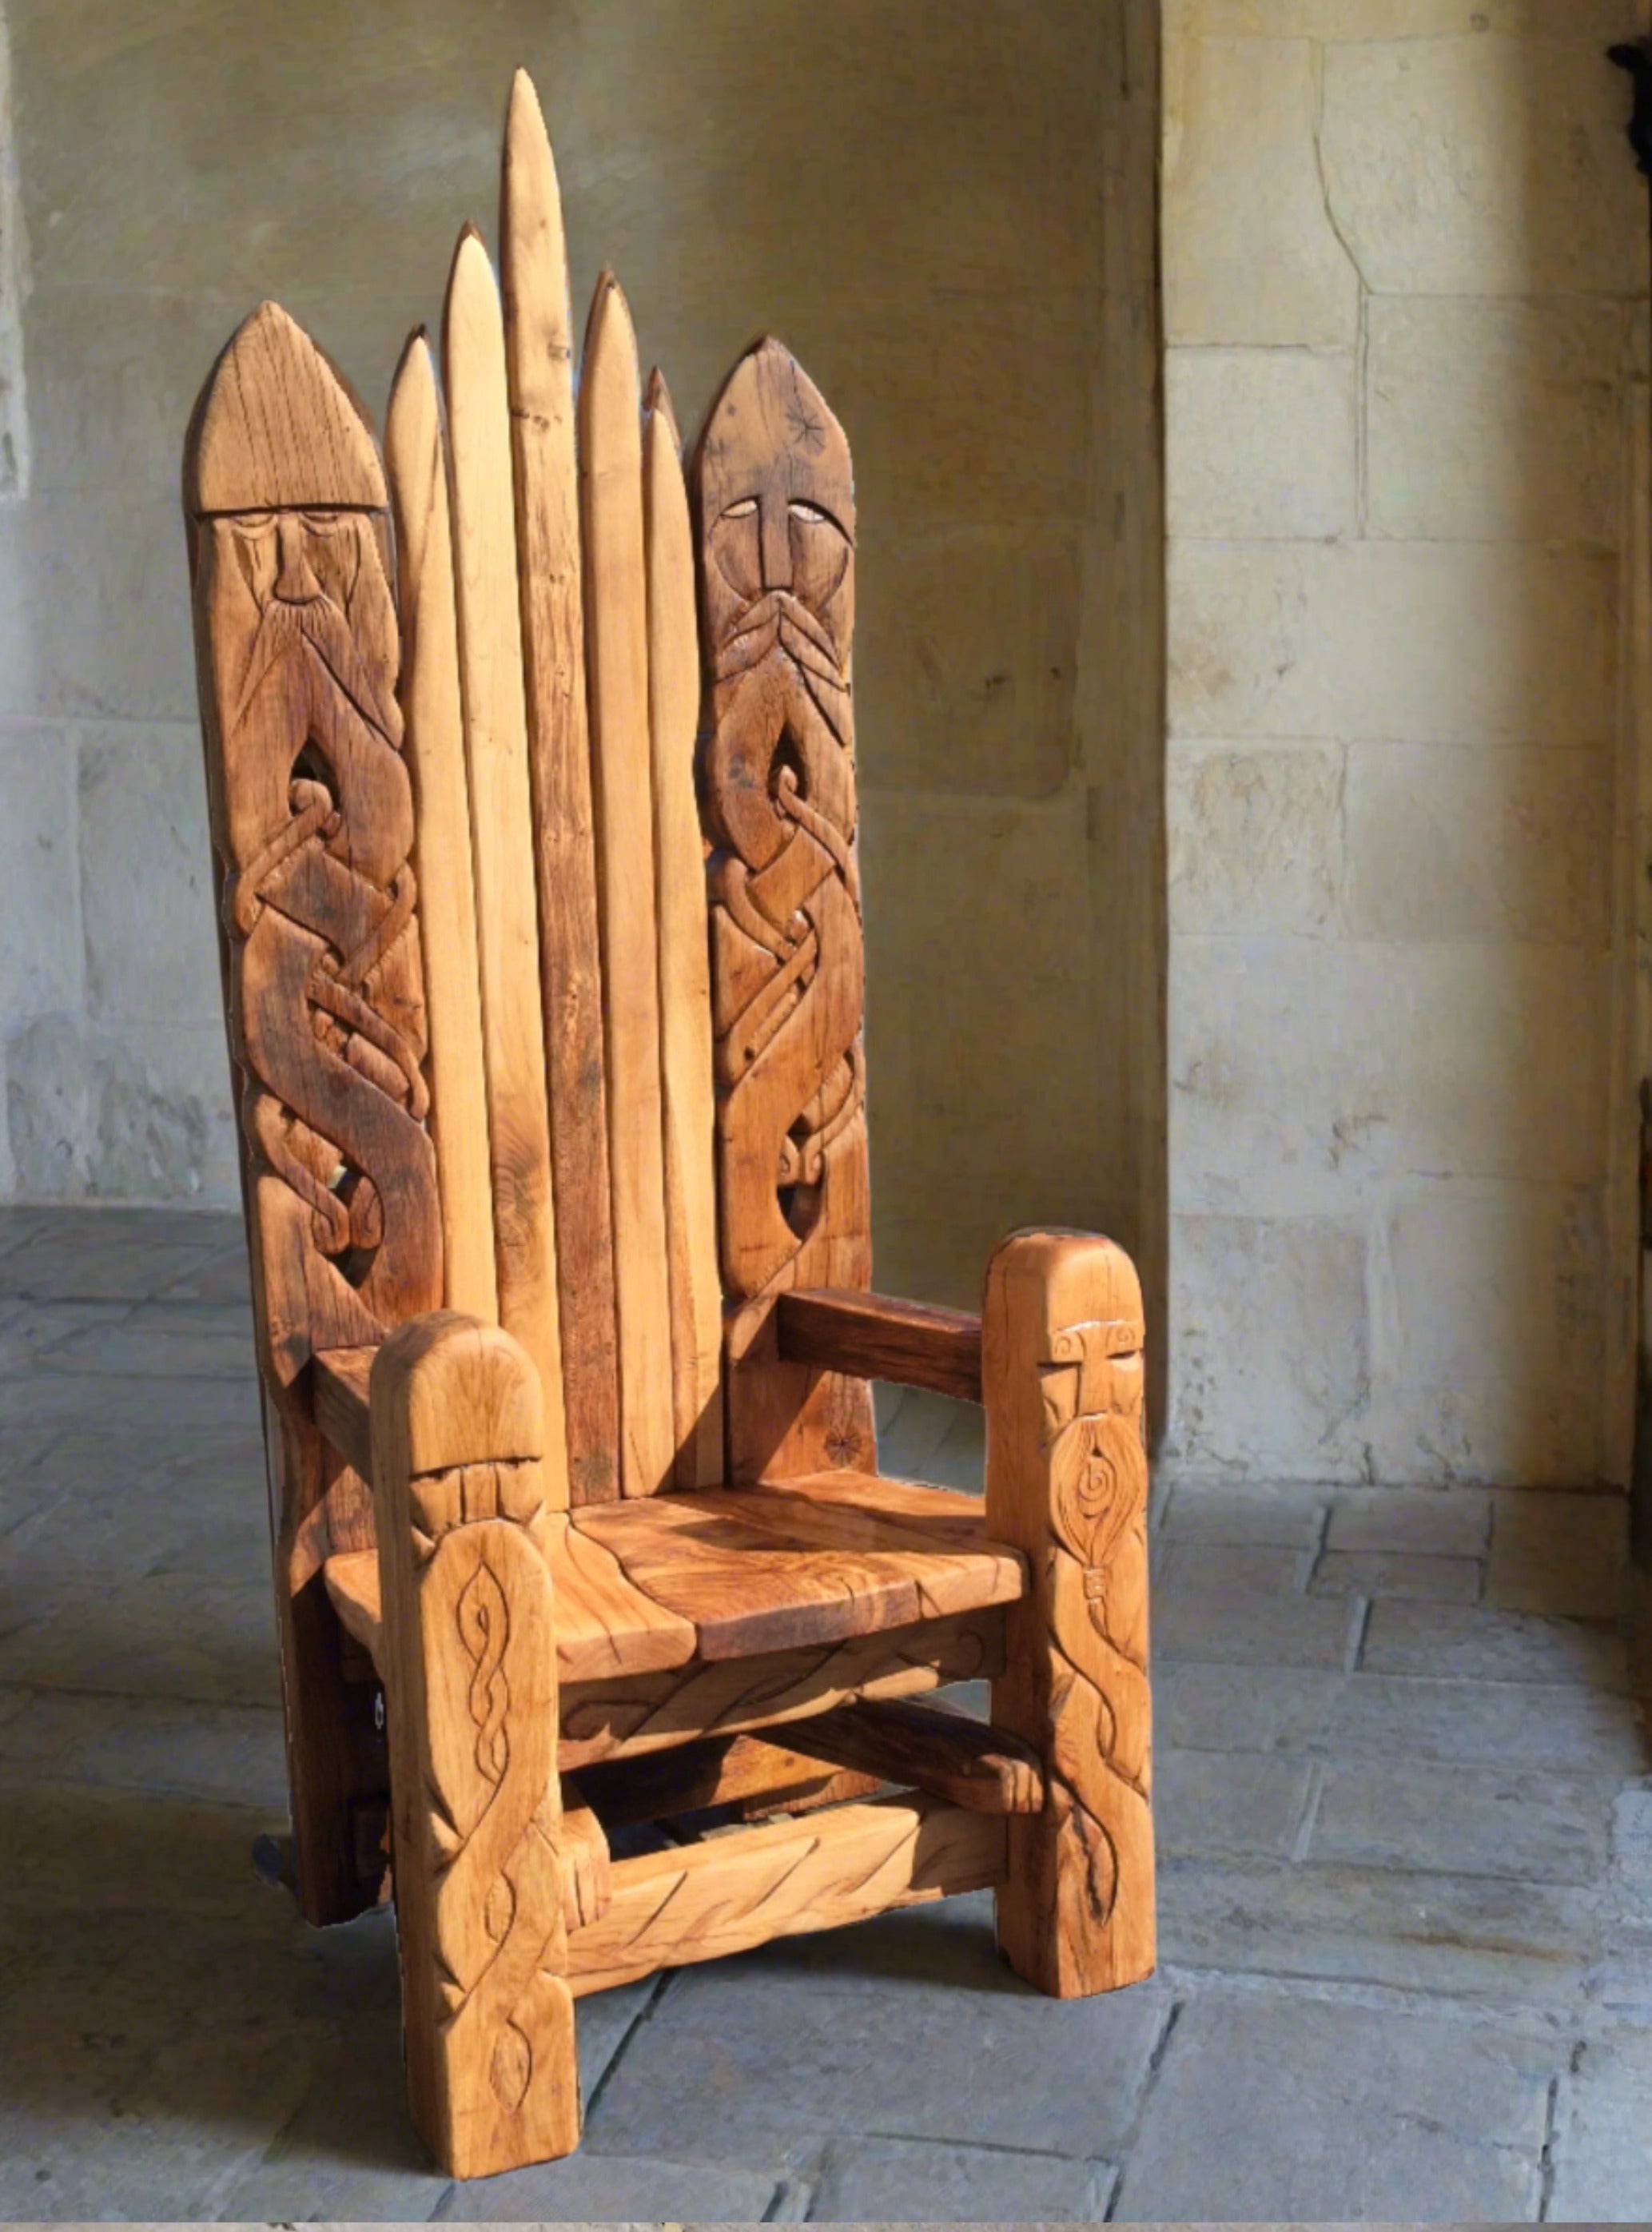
{"x":777,"y":529}
{"x":312,"y":815}
{"x":1091,"y":1390}
{"x":498,"y":1934}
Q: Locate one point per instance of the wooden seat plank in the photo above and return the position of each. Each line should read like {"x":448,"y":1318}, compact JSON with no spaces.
{"x":760,"y":1570}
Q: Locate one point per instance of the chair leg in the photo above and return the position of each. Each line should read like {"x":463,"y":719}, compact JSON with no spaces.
{"x":471,"y":1697}
{"x":1067,"y":1483}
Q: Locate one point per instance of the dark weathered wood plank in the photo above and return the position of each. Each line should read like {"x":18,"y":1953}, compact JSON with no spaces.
{"x":875,"y":1337}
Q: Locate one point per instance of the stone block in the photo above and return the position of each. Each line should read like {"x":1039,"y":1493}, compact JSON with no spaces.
{"x":160,"y":1122}
{"x":1261,"y":443}
{"x":1499,"y":421}
{"x":1559,"y":1553}
{"x":1504,"y":644}
{"x":1602,"y":2163}
{"x":1449,"y":1522}
{"x":761,"y":2059}
{"x":1256,"y":839}
{"x":1398,"y":1573}
{"x":1480,"y":166}
{"x":145,"y":858}
{"x":1241,"y":169}
{"x":1531,"y":1827}
{"x":1455,"y":1644}
{"x":46,"y":1108}
{"x":1474,"y":842}
{"x":1296,"y":1081}
{"x":905,"y":2181}
{"x":966,"y":643}
{"x":40,"y":931}
{"x":1282,"y":2108}
{"x":1282,"y":1405}
{"x":1204,"y":1568}
{"x":1208,"y":1805}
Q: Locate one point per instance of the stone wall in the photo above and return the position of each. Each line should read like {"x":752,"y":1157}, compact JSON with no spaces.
{"x":949,"y":218}
{"x":1406,"y":273}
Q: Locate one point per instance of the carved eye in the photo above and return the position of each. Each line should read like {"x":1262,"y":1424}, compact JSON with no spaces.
{"x":323,"y":522}
{"x":813,"y":514}
{"x":250,"y":525}
{"x":743,"y":510}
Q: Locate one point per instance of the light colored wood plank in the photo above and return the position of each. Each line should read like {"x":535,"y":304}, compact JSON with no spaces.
{"x":706,"y":1900}
{"x":611,"y":1720}
{"x":606,"y":1627}
{"x":962,"y":1761}
{"x":540,"y":361}
{"x":496,"y":751}
{"x":685,"y":958}
{"x":470,"y":1667}
{"x":775,"y":514}
{"x":757,"y":1570}
{"x":1067,"y":1480}
{"x":617,"y":657}
{"x":434,"y":745}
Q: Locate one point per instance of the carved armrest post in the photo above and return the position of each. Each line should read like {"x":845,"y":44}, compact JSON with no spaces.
{"x":1067,"y":1483}
{"x":459,"y":1503}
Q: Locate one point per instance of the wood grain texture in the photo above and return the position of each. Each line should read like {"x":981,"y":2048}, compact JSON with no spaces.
{"x":339,"y":1382}
{"x":434,"y":731}
{"x":616,"y":637}
{"x":1067,"y":1481}
{"x":684,"y":961}
{"x":743,"y":1889}
{"x":496,"y":751}
{"x":539,"y":359}
{"x":961,"y":1761}
{"x":609,"y":1720}
{"x":471,"y":1694}
{"x":310,"y":809}
{"x":745,"y":1772}
{"x":775,"y":520}
{"x":588,"y":1868}
{"x":757,"y":1569}
{"x":912,"y":1343}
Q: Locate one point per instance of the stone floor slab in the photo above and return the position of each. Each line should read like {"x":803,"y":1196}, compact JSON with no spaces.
{"x":1420,"y":1577}
{"x":109,"y":1255}
{"x":1212,"y":1625}
{"x":639,"y":2190}
{"x":1295,"y":2109}
{"x":909,"y":2182}
{"x":1559,"y":1554}
{"x":1507,"y":1725}
{"x":1248,"y":1804}
{"x":909,"y":2027}
{"x":1292,"y":1518}
{"x":1602,"y":2141}
{"x":1184,"y":1564}
{"x":1456,"y":1820}
{"x":1440,"y":1523}
{"x":1489,"y":1645}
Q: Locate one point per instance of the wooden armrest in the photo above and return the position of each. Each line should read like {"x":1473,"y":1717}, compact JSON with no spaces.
{"x":341,"y":1381}
{"x":877,"y":1338}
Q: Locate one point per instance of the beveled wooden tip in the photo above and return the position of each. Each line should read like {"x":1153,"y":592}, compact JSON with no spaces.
{"x":410,"y":420}
{"x":608,"y":382}
{"x":609,"y":329}
{"x":656,"y":404}
{"x":278,"y":428}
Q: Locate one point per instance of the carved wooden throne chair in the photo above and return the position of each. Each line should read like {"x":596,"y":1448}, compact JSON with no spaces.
{"x":555,"y":1173}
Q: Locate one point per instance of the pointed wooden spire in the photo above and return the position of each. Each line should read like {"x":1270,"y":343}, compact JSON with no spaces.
{"x":685,"y":968}
{"x":496,"y":751}
{"x":616,"y":628}
{"x":539,"y":363}
{"x":435,"y":751}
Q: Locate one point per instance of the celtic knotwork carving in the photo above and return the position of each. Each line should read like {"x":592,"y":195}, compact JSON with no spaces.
{"x":312,"y":813}
{"x":492,"y":1784}
{"x":1090,"y":1384}
{"x":777,"y":577}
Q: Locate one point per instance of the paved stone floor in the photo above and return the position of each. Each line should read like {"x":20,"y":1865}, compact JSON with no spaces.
{"x":1405,"y":1808}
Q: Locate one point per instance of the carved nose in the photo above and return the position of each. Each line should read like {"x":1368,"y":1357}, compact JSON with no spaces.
{"x":295,"y":582}
{"x":777,"y":543}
